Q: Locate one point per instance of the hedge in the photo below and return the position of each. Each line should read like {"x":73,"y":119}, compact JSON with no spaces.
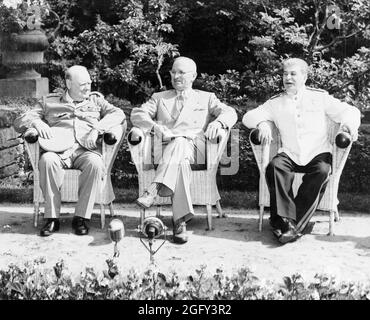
{"x":33,"y":281}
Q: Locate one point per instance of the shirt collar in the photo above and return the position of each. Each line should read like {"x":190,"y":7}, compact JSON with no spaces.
{"x":184,"y":93}
{"x":297,"y":96}
{"x":68,"y":98}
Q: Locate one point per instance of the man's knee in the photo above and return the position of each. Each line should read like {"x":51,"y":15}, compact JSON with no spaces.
{"x":275,"y":163}
{"x":95,"y":164}
{"x":49,"y":159}
{"x":323,"y":169}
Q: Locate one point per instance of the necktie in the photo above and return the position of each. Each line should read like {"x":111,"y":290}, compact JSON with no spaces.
{"x":179,"y":104}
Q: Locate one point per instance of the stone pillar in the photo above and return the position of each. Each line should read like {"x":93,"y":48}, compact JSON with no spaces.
{"x":21,"y":53}
{"x":11,"y":147}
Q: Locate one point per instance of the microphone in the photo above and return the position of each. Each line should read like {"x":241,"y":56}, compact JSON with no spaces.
{"x":152,"y":228}
{"x":116,"y":231}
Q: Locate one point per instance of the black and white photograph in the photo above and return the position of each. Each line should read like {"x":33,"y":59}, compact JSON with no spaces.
{"x":182,"y":156}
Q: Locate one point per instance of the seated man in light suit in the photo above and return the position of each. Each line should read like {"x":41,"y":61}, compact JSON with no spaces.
{"x":183,"y":118}
{"x":83,"y":115}
{"x":300,"y":114}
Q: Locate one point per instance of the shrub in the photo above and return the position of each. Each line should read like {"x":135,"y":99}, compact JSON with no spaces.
{"x":34,"y":281}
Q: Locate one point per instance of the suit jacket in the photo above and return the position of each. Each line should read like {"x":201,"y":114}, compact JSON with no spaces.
{"x":57,"y":110}
{"x":200,"y":108}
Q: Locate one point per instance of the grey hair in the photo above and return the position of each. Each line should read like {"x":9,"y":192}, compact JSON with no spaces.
{"x":296,"y":61}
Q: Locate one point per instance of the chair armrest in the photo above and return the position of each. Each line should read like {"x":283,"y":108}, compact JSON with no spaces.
{"x":215,"y":148}
{"x":112,"y":140}
{"x":31,"y":135}
{"x":135,"y":136}
{"x":32,"y":147}
{"x":139,"y":144}
{"x":343,"y":139}
{"x":261,"y":151}
{"x":253,"y":137}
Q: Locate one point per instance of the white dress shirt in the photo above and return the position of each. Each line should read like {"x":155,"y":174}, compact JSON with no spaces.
{"x":301,"y":121}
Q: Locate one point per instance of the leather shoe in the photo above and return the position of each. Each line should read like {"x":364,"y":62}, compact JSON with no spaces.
{"x":291,"y":234}
{"x":146,"y":200}
{"x":79,"y":226}
{"x":51,"y":225}
{"x":179,"y":233}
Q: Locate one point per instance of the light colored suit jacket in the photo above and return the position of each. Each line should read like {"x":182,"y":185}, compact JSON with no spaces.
{"x":200,"y":108}
{"x":56,"y":110}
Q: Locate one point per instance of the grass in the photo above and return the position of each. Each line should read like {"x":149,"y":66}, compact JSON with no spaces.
{"x":229,"y":198}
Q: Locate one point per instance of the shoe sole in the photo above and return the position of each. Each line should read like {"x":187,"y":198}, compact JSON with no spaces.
{"x":142,"y":205}
{"x":285,"y":239}
{"x":47,"y":235}
{"x":179,"y":241}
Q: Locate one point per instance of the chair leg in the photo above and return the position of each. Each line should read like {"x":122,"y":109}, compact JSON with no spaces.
{"x":142,"y":216}
{"x":36,"y":212}
{"x":158,"y":212}
{"x":102,"y":215}
{"x":111,"y":211}
{"x":209,"y":217}
{"x":336,"y":216}
{"x":260,"y":221}
{"x":331,"y":223}
{"x":219,"y":210}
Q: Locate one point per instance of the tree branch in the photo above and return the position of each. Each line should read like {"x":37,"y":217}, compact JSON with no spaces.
{"x":335,"y":40}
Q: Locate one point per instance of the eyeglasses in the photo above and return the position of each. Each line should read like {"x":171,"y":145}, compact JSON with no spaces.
{"x":180,"y":73}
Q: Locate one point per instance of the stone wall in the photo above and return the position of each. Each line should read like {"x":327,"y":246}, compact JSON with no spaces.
{"x":11,"y":146}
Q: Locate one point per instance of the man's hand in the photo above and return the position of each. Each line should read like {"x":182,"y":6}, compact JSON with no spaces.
{"x":91,"y":139}
{"x":162,"y":132}
{"x":352,"y":132}
{"x":43,"y":129}
{"x":264,"y":132}
{"x":213,"y":129}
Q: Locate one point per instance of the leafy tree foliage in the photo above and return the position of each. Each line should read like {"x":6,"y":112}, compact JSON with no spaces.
{"x":121,"y":42}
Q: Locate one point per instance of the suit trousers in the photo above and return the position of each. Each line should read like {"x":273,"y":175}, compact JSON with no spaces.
{"x":280,"y":175}
{"x":173,"y":174}
{"x":51,"y":167}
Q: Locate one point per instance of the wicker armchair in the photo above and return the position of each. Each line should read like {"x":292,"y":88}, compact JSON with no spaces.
{"x":69,"y":192}
{"x":329,"y":202}
{"x":203,"y":186}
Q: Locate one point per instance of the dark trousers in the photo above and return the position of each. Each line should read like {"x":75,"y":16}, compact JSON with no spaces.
{"x":280,"y":175}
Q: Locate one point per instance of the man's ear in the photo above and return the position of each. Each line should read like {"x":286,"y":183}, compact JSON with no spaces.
{"x":194,"y":75}
{"x":68,"y":84}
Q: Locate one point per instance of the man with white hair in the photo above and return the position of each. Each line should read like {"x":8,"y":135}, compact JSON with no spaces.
{"x":300,"y":114}
{"x":183,"y":118}
{"x":82,"y":115}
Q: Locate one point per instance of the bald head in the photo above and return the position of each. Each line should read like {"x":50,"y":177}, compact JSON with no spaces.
{"x":186,"y":61}
{"x":78,"y":82}
{"x":183,"y":73}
